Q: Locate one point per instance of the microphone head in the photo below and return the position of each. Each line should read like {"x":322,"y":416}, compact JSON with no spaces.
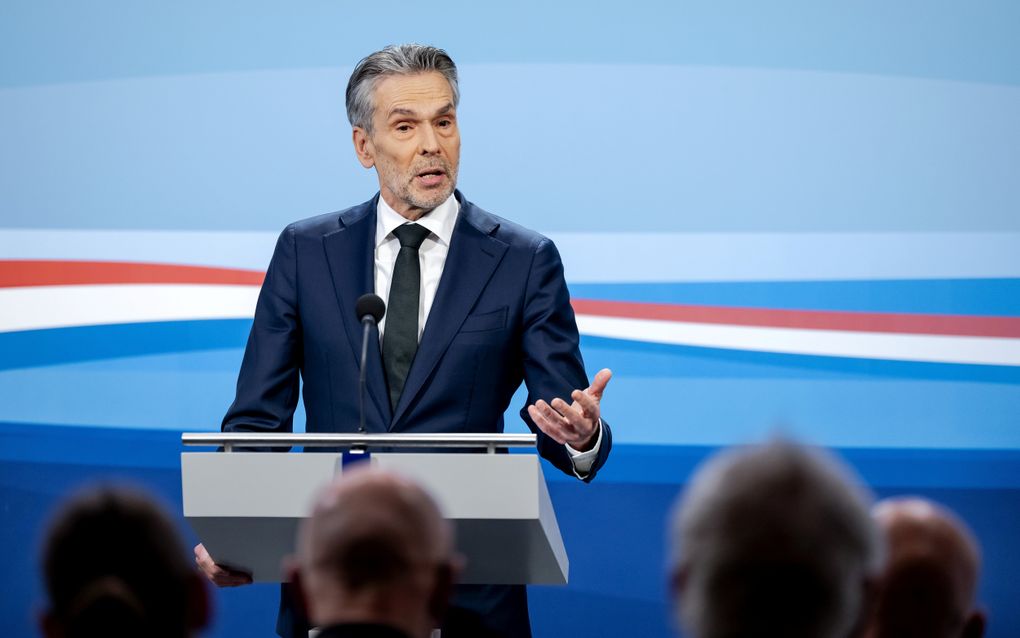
{"x":370,"y":305}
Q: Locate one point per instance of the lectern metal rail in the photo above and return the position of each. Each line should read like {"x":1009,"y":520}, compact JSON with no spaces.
{"x":229,"y":440}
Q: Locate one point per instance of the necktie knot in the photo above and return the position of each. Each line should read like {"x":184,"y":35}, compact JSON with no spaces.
{"x":411,"y":235}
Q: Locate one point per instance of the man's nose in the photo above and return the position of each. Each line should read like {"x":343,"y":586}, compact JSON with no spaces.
{"x":429,"y":140}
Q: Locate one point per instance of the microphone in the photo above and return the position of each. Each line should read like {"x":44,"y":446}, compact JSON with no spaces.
{"x":370,"y":309}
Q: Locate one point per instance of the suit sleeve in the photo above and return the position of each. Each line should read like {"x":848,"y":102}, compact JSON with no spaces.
{"x":552,"y":356}
{"x":268,"y":383}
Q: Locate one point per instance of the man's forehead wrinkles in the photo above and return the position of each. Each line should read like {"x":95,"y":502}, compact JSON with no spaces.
{"x":415,"y":113}
{"x":399,"y":110}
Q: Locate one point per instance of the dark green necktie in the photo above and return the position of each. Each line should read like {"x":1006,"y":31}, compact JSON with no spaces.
{"x":400,"y":338}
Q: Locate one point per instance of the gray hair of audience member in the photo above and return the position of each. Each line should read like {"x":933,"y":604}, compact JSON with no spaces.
{"x":929,"y":583}
{"x":396,"y":59}
{"x":114,"y":566}
{"x":374,"y":536}
{"x":774,"y":540}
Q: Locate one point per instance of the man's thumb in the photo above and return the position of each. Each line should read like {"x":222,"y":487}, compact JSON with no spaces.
{"x":598,"y":385}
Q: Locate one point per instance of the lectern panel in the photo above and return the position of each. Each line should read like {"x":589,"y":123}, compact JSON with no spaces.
{"x":251,"y":484}
{"x":246,"y":508}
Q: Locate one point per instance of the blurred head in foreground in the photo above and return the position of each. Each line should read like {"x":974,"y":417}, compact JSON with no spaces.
{"x":931,"y":574}
{"x":114,"y":566}
{"x":375,"y":550}
{"x":772,"y":541}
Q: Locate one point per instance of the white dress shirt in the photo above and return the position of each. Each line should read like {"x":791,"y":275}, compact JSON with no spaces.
{"x":432,"y":254}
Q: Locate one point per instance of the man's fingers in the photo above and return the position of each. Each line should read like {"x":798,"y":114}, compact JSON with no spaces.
{"x":551,"y":425}
{"x":538,"y":417}
{"x":230,"y":578}
{"x":549,"y":413}
{"x":220,"y":576}
{"x":579,"y":422}
{"x":567,"y":411}
{"x":542,"y":423}
{"x":569,"y":420}
{"x":563,"y":423}
{"x":203,"y":559}
{"x":226,"y":580}
{"x":233,"y":581}
{"x":588,"y":404}
{"x":598,"y":384}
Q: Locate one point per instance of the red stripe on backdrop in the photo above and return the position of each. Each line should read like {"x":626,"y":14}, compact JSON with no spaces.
{"x":15,"y":273}
{"x":904,"y":323}
{"x":23,"y":273}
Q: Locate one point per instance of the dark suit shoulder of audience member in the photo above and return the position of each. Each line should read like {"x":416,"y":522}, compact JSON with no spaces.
{"x":929,"y":584}
{"x":114,"y":566}
{"x":773,"y":540}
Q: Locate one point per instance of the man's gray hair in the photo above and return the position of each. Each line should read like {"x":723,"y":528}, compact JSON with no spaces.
{"x":396,"y":59}
{"x":773,"y":540}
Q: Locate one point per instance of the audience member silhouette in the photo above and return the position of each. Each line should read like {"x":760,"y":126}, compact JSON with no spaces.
{"x":773,"y":541}
{"x":115,"y":567}
{"x":375,"y":558}
{"x":930,"y":579}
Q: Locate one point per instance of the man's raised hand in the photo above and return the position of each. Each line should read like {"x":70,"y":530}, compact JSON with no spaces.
{"x":575,"y":424}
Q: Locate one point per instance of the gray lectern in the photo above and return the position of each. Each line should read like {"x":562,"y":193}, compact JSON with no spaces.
{"x":246,"y":506}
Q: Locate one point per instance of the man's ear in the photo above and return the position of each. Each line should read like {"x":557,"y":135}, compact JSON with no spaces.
{"x":677,"y":580}
{"x":199,"y":604}
{"x":447,"y":575}
{"x":49,"y":626}
{"x":871,"y":588}
{"x":297,"y":587}
{"x":974,"y":626}
{"x":363,"y":147}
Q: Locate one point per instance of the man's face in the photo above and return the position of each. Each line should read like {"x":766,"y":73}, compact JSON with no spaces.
{"x":415,"y":144}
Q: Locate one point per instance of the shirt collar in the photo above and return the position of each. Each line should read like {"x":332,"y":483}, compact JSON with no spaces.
{"x":439,"y":221}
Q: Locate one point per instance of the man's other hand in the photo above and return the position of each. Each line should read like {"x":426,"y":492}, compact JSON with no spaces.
{"x":221,"y":576}
{"x":575,"y":424}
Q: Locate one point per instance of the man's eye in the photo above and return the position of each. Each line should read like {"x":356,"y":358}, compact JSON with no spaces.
{"x":403,"y":128}
{"x":445,"y":123}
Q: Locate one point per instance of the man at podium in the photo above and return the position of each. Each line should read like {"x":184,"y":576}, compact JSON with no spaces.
{"x":475,"y":304}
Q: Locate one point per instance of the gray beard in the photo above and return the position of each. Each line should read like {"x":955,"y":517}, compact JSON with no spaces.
{"x":428,"y":203}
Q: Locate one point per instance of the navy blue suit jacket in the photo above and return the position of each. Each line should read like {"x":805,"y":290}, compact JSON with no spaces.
{"x":501,"y":315}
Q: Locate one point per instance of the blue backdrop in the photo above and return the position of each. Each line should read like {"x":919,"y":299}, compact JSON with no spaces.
{"x":784,"y":216}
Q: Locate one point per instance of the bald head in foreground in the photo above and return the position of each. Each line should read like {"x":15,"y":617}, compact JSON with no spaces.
{"x":773,"y":540}
{"x":930,"y":580}
{"x":375,"y":558}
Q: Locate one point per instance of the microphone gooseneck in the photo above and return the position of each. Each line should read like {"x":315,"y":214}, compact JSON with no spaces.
{"x":370,"y":309}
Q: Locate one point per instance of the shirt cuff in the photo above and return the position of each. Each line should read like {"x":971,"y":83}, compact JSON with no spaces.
{"x":584,"y":460}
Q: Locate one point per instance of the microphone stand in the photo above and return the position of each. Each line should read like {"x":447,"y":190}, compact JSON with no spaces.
{"x":367,"y":321}
{"x":370,"y":309}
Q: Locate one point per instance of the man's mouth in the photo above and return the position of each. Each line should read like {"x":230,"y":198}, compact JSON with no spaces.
{"x":430,"y":177}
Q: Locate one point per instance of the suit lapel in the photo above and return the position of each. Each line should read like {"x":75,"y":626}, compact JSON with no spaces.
{"x":350,"y":252}
{"x":473,"y":257}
